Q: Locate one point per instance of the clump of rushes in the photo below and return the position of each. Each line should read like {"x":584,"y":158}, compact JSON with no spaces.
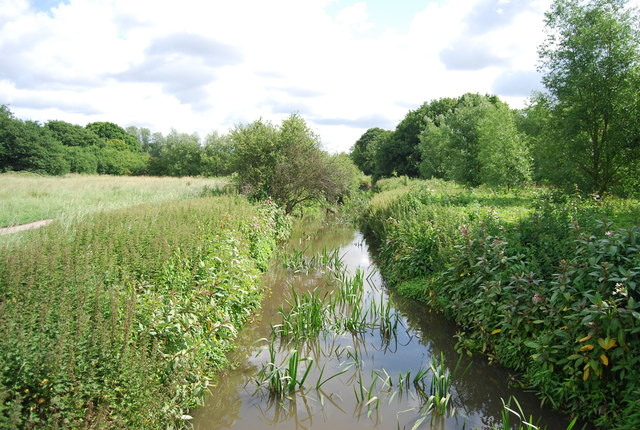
{"x":120,"y":320}
{"x":284,"y":379}
{"x":305,"y":316}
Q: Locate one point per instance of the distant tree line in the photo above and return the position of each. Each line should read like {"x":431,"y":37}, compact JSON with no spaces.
{"x":58,"y":147}
{"x":583,"y":130}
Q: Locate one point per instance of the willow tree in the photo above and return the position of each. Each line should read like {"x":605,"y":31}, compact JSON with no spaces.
{"x":287,"y":164}
{"x":591,"y":69}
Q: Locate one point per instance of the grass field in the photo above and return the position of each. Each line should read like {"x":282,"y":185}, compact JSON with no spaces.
{"x":26,"y":197}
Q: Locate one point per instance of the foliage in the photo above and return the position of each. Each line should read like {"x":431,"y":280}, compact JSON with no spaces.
{"x":59,"y":147}
{"x":217,"y":155}
{"x":503,"y":156}
{"x":286,"y":164}
{"x":120,"y":320}
{"x":109,"y":130}
{"x":476,"y":142}
{"x":28,"y":146}
{"x":363,"y":153}
{"x":180,"y":155}
{"x":533,"y":279}
{"x":591,"y":66}
{"x":399,"y":153}
{"x":117,"y":161}
{"x":73,"y":135}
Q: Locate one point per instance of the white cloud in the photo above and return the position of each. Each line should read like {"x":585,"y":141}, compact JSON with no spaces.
{"x":355,"y":17}
{"x":199,"y":65}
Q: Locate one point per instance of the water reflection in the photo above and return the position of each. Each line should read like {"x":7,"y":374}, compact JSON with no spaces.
{"x":370,"y":363}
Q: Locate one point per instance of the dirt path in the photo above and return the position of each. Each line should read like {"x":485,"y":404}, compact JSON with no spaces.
{"x":31,"y":225}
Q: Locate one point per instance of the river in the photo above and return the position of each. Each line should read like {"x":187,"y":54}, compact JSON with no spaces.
{"x":373,"y":387}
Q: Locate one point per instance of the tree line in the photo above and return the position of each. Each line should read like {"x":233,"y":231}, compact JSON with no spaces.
{"x":58,"y":147}
{"x":583,"y":130}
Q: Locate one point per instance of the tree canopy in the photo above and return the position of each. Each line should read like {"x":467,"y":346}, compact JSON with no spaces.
{"x":287,"y":164}
{"x":591,"y":66}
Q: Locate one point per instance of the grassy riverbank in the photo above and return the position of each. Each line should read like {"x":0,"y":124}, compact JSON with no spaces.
{"x":121,"y":319}
{"x":541,"y":282}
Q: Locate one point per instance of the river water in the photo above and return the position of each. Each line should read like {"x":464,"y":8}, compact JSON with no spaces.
{"x":373,"y":364}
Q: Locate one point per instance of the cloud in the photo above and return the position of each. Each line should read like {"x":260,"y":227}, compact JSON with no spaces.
{"x":355,"y":17}
{"x":280,"y":107}
{"x":470,"y":56}
{"x":300,"y":92}
{"x":488,"y":15}
{"x":364,"y":122}
{"x":184,"y":64}
{"x":37,"y":100}
{"x":517,"y":83}
{"x":211,"y":52}
{"x":490,"y":35}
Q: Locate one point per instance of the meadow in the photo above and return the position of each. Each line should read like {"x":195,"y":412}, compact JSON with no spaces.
{"x":543,"y":282}
{"x":27,"y":197}
{"x":122,"y":317}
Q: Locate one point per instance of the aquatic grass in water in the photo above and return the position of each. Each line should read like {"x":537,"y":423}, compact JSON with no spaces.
{"x":305,"y":317}
{"x":520,"y":420}
{"x":282,"y":380}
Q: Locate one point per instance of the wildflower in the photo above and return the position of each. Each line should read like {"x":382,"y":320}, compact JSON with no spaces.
{"x":620,"y":289}
{"x":537,"y":298}
{"x":608,"y":233}
{"x":464,"y":229}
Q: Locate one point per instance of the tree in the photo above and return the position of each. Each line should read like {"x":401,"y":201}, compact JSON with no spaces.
{"x":180,"y":155}
{"x":363,"y":152}
{"x":29,"y":146}
{"x":109,"y":130}
{"x":504,"y":155}
{"x":73,"y":135}
{"x":434,"y":149}
{"x":455,"y":144}
{"x":591,"y":66}
{"x":217,"y":155}
{"x":475,"y":142}
{"x":400,"y":153}
{"x":256,"y":155}
{"x":286,"y":163}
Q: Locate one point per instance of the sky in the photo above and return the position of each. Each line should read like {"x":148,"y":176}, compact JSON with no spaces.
{"x":208,"y":65}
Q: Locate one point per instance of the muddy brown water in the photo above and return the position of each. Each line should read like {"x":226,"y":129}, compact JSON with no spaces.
{"x":236,"y":401}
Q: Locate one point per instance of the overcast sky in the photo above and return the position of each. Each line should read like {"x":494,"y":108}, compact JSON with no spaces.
{"x":204,"y":65}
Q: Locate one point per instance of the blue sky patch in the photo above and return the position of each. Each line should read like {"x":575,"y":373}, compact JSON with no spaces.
{"x":383,"y":14}
{"x":46,"y":5}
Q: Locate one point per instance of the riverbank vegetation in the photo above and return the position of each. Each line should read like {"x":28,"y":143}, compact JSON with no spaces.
{"x":540,"y":281}
{"x":122,"y":319}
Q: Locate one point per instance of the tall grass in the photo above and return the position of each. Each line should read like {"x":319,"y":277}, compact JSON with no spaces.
{"x":27,"y":197}
{"x":121,"y":320}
